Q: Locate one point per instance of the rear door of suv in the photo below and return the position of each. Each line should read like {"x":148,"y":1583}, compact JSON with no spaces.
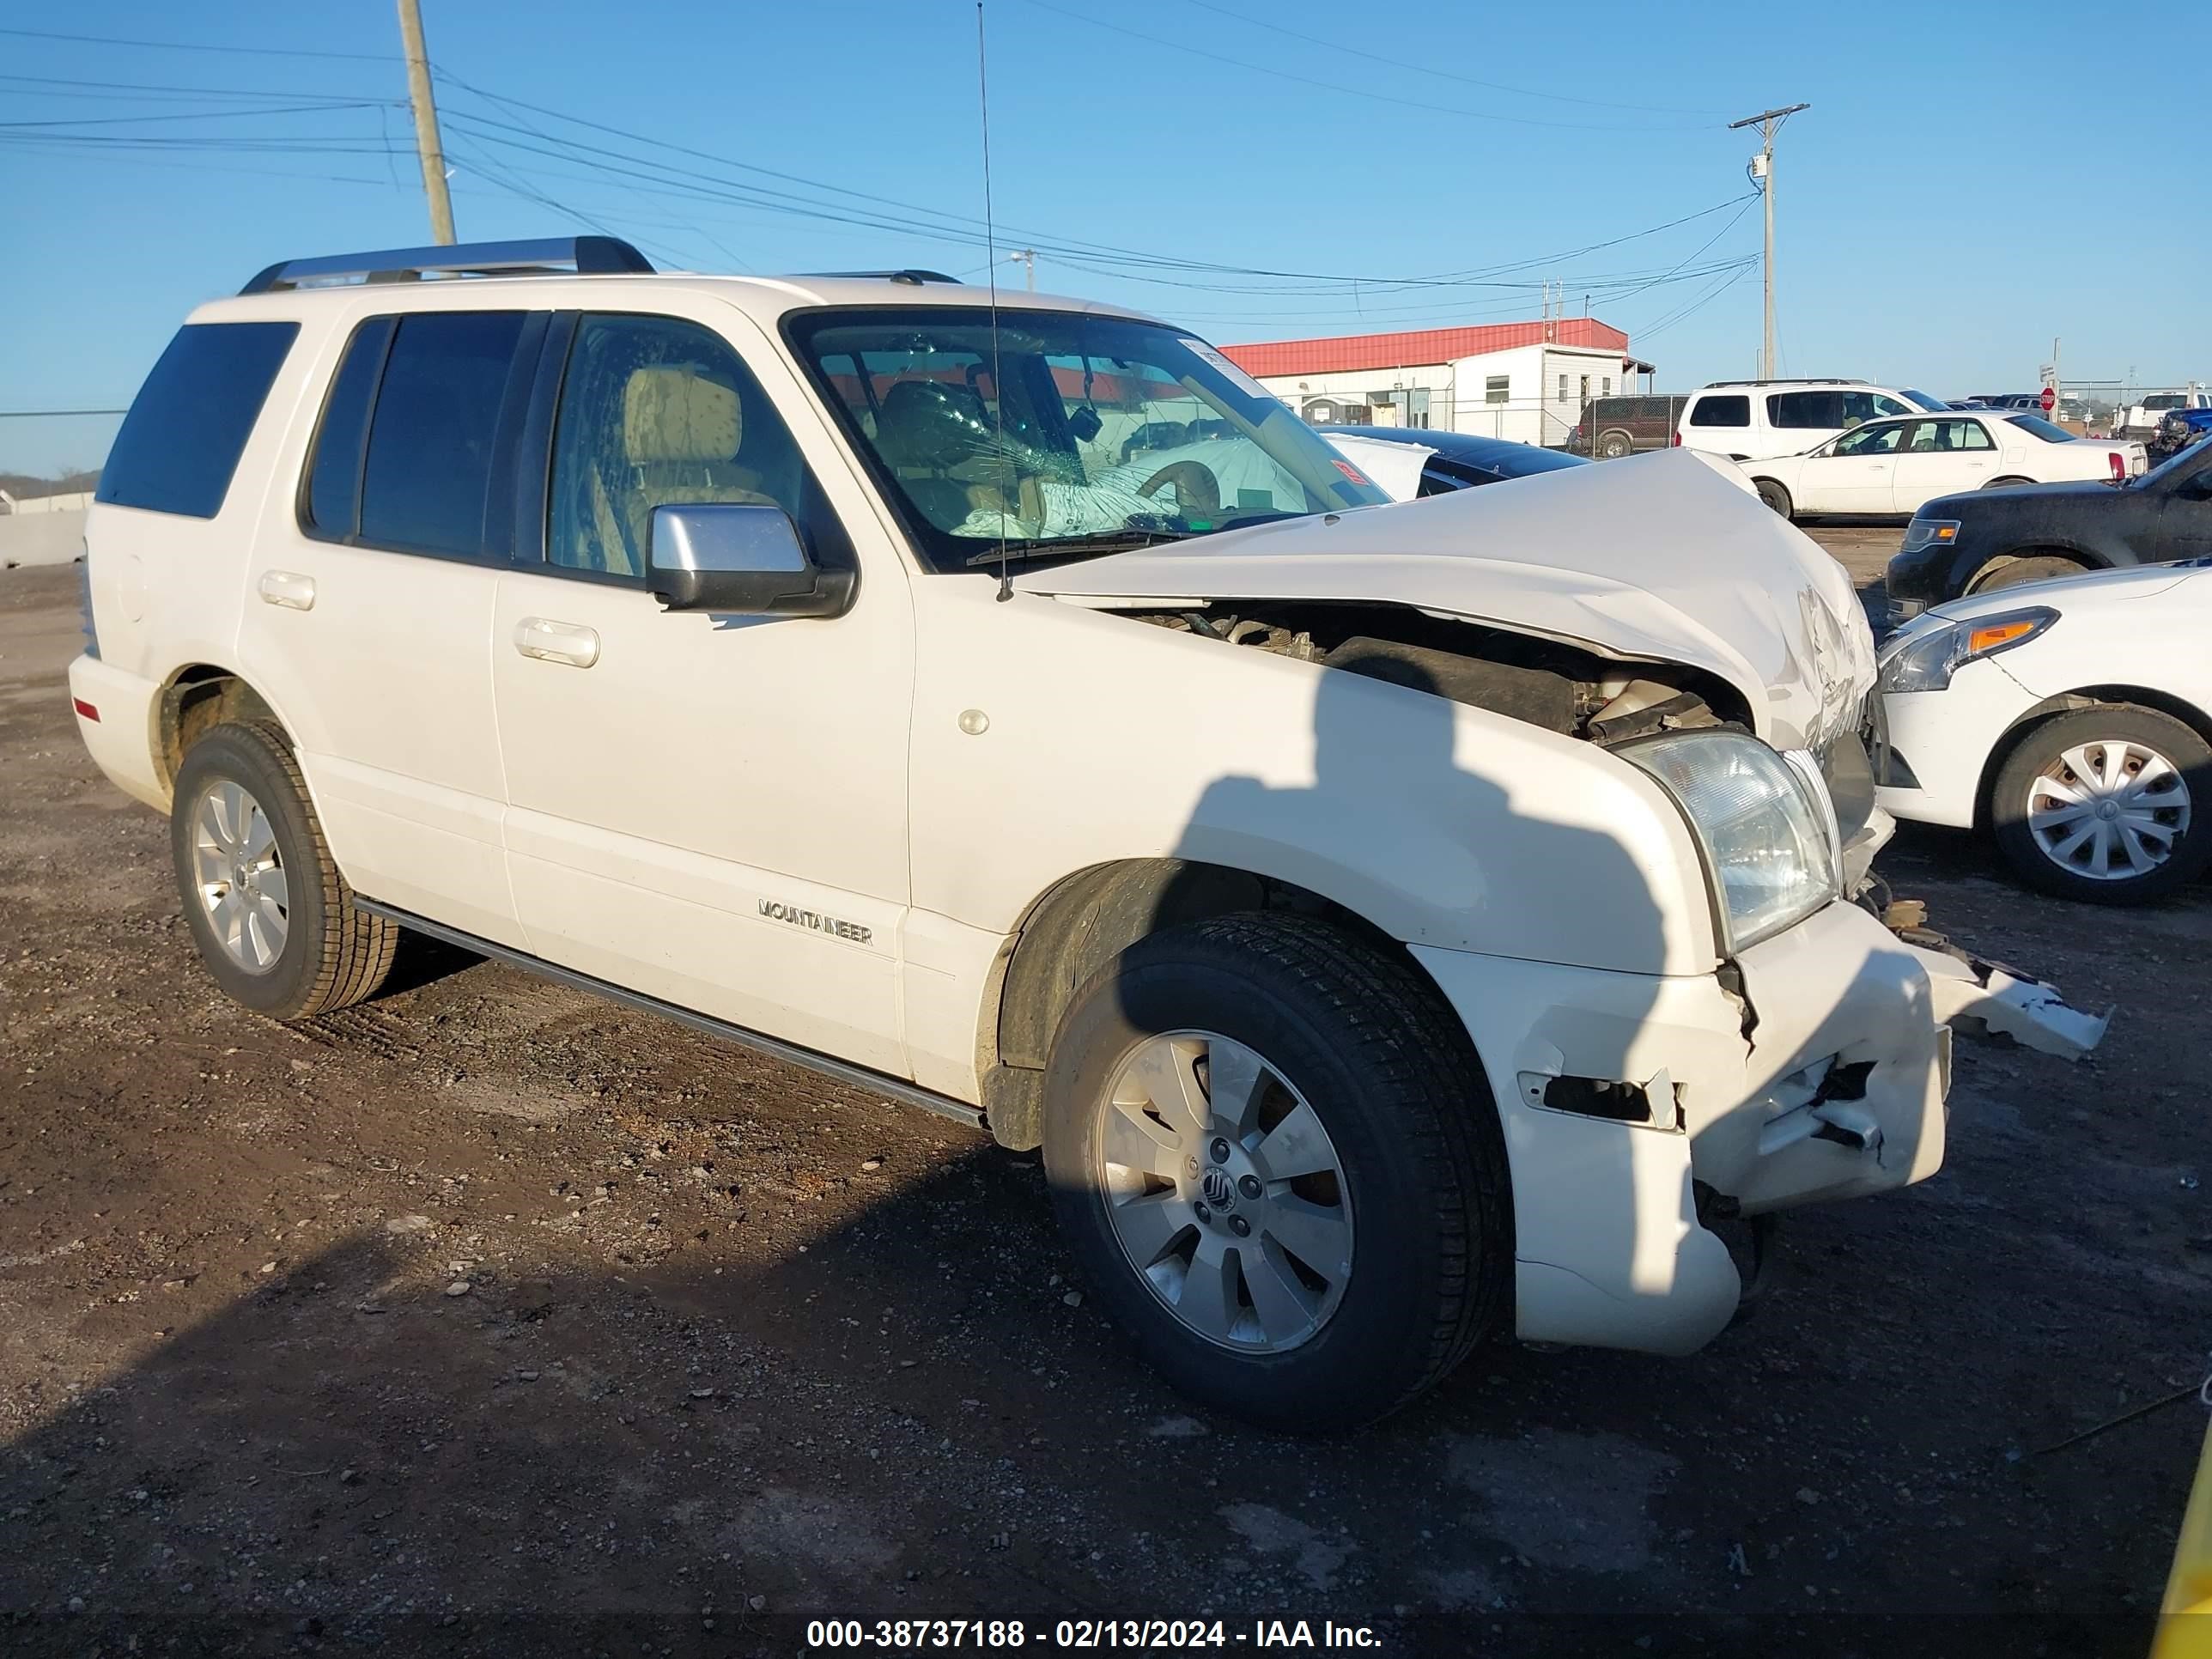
{"x":710,"y":810}
{"x":368,"y":607}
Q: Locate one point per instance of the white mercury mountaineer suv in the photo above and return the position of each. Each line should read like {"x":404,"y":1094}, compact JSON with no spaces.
{"x":1396,"y":924}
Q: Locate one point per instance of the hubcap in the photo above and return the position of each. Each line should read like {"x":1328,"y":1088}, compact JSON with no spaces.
{"x":239,"y":877}
{"x":2108,"y":810}
{"x":1225,"y":1191}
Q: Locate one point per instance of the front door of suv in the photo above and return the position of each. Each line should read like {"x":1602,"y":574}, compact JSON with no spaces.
{"x":710,"y":810}
{"x":368,"y":612}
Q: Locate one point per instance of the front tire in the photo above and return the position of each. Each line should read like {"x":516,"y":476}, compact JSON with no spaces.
{"x":1776,"y":497}
{"x":274,"y":920}
{"x":2106,"y":805}
{"x":2013,"y":573}
{"x":1273,"y":1153}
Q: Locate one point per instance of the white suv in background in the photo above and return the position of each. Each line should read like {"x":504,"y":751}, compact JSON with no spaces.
{"x":1751,"y":420}
{"x":1397,"y":925}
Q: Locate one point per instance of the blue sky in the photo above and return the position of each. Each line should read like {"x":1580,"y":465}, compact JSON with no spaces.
{"x":1970,"y":180}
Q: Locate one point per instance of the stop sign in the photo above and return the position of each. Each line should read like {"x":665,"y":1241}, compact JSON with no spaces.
{"x":2049,"y":400}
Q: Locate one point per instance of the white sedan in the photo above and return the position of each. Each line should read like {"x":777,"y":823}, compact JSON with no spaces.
{"x":2073,"y":718}
{"x":1893,"y":465}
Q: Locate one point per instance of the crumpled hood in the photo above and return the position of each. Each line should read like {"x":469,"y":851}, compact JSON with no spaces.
{"x":1658,"y":557}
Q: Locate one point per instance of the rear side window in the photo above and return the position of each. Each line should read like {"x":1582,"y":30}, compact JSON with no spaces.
{"x":426,"y":474}
{"x":1721,"y":411}
{"x":331,"y":507}
{"x":189,"y":423}
{"x":1807,"y":411}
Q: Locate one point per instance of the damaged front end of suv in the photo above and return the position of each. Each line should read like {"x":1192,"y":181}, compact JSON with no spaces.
{"x":1652,"y":609}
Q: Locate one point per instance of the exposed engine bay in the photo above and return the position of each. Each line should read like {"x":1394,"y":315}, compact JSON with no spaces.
{"x":1561,"y":688}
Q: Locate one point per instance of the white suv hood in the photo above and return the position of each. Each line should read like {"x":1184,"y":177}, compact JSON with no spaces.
{"x":1659,"y":557}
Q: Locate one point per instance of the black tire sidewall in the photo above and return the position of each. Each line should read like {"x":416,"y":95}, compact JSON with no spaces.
{"x":241,"y":756}
{"x":2181,"y":747}
{"x":1371,"y":1352}
{"x":1774,"y":498}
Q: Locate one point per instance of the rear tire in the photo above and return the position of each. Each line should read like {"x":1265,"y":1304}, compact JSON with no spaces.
{"x":1348,"y":1291}
{"x":2153,"y":771}
{"x":2014,"y":572}
{"x":1611,"y":445}
{"x":1776,"y":497}
{"x":274,"y":920}
{"x":2006,"y":483}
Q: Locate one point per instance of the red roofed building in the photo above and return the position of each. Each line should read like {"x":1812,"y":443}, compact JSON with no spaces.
{"x":1528,"y":380}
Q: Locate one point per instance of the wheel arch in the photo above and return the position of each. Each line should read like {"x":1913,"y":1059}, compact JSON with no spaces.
{"x":1080,"y":924}
{"x":2196,"y":719}
{"x":196,"y":697}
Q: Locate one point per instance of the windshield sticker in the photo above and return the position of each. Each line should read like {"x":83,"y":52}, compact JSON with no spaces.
{"x":1351,"y":472}
{"x":1235,"y":376}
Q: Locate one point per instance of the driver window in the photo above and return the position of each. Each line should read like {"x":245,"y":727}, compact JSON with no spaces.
{"x":656,"y":412}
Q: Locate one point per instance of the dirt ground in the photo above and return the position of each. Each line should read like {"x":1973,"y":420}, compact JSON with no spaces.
{"x":489,"y":1318}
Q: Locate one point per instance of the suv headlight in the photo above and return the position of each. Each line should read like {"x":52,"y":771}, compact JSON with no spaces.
{"x":1921,"y":533}
{"x":1925,"y":658}
{"x":1765,"y":825}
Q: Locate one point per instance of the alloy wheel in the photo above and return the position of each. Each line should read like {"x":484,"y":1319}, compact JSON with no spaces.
{"x":1225,"y":1191}
{"x":238,"y":876}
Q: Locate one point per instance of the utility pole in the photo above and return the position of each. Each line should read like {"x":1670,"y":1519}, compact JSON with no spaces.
{"x":426,"y":122}
{"x":1027,"y":257}
{"x":1769,"y":122}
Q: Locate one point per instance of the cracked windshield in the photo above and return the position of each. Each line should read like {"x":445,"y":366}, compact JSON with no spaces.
{"x":1089,"y":429}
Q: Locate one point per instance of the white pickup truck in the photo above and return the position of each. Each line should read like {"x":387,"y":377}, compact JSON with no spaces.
{"x":1398,"y":925}
{"x":2140,"y":419}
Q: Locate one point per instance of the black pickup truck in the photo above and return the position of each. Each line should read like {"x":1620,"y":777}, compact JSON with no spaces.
{"x":1986,"y":538}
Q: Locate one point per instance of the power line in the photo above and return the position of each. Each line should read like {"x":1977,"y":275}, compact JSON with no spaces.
{"x":193,"y":92}
{"x":1349,"y":91}
{"x":935,"y":223}
{"x":191,"y":46}
{"x":187,"y":115}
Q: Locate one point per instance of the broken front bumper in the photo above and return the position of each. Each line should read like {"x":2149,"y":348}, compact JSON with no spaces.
{"x":1628,"y":1099}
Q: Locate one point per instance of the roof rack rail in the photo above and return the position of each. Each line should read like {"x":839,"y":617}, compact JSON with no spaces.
{"x":913,"y":277}
{"x":586,"y":256}
{"x":1797,"y":379}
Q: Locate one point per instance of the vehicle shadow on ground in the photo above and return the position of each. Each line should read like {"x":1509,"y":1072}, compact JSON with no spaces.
{"x":345,"y":1455}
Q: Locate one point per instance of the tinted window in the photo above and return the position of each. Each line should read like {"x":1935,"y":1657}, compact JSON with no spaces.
{"x":1805,"y":411}
{"x":1865,"y":405}
{"x":1721,"y":411}
{"x":333,"y":499}
{"x":1871,"y":440}
{"x":1923,"y":400}
{"x":429,"y":463}
{"x":190,"y":422}
{"x":659,"y":412}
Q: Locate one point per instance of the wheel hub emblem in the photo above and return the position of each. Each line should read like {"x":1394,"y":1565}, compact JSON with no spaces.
{"x":1219,"y":1193}
{"x":2108,"y":809}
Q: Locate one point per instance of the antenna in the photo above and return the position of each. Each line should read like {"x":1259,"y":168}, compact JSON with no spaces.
{"x":991,"y":247}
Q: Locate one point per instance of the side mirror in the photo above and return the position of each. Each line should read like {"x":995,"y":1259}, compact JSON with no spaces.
{"x":740,"y":560}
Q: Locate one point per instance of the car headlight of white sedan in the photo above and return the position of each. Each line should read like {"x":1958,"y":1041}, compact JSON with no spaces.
{"x":1924,"y":657}
{"x":1764,"y":824}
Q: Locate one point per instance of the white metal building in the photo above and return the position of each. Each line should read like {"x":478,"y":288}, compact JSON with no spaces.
{"x":1523,"y":380}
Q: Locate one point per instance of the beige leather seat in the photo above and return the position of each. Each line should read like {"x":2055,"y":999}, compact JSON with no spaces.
{"x":681,"y":434}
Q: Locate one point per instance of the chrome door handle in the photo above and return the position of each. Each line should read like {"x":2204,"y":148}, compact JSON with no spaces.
{"x":558,"y":642}
{"x":287,"y":588}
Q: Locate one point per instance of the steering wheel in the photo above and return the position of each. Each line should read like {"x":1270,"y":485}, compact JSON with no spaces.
{"x":1196,"y":489}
